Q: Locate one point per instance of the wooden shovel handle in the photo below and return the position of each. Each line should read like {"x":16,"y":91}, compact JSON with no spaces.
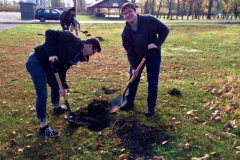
{"x":137,"y":70}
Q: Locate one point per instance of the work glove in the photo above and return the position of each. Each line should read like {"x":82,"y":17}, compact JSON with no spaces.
{"x":63,"y":92}
{"x":53,"y":59}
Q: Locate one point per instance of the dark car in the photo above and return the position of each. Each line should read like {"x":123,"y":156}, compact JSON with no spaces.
{"x":47,"y":14}
{"x":99,"y":15}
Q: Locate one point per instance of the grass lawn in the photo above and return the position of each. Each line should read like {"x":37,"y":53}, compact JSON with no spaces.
{"x":200,"y":60}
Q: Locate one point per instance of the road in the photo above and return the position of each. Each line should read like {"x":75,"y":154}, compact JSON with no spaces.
{"x":10,"y":20}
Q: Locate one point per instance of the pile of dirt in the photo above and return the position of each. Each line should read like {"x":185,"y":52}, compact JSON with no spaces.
{"x":138,"y":139}
{"x":108,"y":91}
{"x":95,"y":117}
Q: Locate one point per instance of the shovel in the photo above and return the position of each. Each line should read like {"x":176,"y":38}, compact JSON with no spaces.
{"x":120,"y":100}
{"x":69,"y":117}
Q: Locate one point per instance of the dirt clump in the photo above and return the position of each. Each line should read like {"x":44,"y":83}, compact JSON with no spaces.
{"x":95,"y":117}
{"x":109,"y":91}
{"x":138,"y":139}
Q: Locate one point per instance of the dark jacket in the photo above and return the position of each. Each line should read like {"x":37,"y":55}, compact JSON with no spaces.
{"x":66,"y":18}
{"x":64,"y":45}
{"x":149,"y":30}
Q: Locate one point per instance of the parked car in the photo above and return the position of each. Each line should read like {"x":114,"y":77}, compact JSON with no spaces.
{"x":99,"y":15}
{"x":47,"y":14}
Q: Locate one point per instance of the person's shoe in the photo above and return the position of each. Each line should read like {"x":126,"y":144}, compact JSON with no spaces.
{"x":60,"y":110}
{"x":149,"y":113}
{"x":47,"y":131}
{"x":127,"y":107}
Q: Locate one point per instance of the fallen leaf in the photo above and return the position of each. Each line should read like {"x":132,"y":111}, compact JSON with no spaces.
{"x":123,"y":156}
{"x":192,"y":112}
{"x":215,"y":153}
{"x":29,"y":135}
{"x":160,"y":157}
{"x":164,"y":142}
{"x":209,"y":137}
{"x":234,"y":144}
{"x":237,"y":148}
{"x":20,"y":150}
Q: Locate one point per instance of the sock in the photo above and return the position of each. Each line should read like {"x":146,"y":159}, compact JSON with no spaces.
{"x":43,"y":128}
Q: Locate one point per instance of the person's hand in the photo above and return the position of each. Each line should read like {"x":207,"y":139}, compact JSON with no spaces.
{"x":151,"y":46}
{"x":53,"y":59}
{"x":134,"y":72}
{"x":63,"y":92}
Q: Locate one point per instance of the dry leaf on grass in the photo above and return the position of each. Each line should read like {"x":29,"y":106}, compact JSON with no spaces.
{"x":234,"y":144}
{"x":209,"y":137}
{"x":184,"y":145}
{"x":123,"y":156}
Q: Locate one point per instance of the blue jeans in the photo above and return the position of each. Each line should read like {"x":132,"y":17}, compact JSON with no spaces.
{"x":153,"y":70}
{"x":41,"y":78}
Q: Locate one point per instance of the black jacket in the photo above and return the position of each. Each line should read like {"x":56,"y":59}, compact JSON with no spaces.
{"x":63,"y":44}
{"x":66,"y":18}
{"x":149,"y":30}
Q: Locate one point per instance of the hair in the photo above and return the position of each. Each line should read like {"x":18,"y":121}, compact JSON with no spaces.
{"x":95,"y":42}
{"x":128,"y":5}
{"x":72,"y":9}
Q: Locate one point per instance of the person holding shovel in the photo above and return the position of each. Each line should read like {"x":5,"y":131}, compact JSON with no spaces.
{"x":61,"y":49}
{"x":77,"y":26}
{"x":143,"y":35}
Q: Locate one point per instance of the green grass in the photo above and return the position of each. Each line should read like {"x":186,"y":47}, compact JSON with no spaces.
{"x":201,"y":60}
{"x":93,"y":18}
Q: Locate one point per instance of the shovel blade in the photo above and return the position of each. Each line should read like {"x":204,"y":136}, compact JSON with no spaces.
{"x":117,"y":104}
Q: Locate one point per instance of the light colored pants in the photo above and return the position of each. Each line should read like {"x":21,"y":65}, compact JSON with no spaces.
{"x":76,"y":29}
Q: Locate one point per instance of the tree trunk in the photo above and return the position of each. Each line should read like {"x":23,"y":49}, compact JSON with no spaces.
{"x":209,"y":9}
{"x":190,"y":7}
{"x":178,"y":8}
{"x":169,"y":9}
{"x":159,"y":7}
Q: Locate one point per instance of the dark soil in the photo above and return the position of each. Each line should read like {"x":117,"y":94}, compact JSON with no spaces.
{"x":109,"y":91}
{"x":174,"y":92}
{"x":136,"y":138}
{"x":95,"y":117}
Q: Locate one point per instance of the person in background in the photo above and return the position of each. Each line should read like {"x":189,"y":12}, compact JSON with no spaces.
{"x":66,"y":18}
{"x":142,"y":35}
{"x":77,"y":26}
{"x":62,"y":49}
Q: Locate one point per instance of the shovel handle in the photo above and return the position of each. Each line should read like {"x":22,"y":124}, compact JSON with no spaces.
{"x":61,"y":87}
{"x":134,"y":75}
{"x":137,"y":70}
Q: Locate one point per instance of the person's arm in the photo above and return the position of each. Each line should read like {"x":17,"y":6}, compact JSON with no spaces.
{"x":130,"y":51}
{"x":53,"y":37}
{"x":63,"y":18}
{"x":79,"y":28}
{"x":72,"y":21}
{"x":62,"y":75}
{"x":161,"y":29}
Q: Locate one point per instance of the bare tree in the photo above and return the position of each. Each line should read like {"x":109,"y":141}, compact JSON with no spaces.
{"x":159,"y":7}
{"x":169,"y":15}
{"x":190,"y":8}
{"x":210,"y":4}
{"x":178,"y":9}
{"x":146,"y":10}
{"x":185,"y":5}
